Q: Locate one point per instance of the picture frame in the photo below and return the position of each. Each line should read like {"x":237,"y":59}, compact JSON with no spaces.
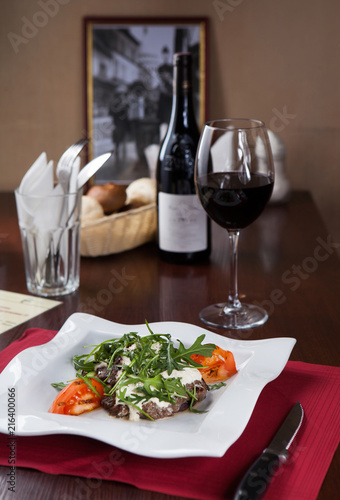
{"x":128,"y":66}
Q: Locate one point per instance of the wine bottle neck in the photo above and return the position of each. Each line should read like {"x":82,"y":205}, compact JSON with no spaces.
{"x":182,"y":101}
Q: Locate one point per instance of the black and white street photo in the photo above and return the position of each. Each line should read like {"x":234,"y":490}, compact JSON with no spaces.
{"x":129,"y":88}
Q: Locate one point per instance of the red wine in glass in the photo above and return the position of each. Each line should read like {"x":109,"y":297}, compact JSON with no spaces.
{"x":234,"y":178}
{"x":231,"y":203}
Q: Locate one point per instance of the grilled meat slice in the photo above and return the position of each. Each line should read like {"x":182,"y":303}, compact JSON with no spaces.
{"x":110,"y":376}
{"x":115,"y":409}
{"x":157,"y":410}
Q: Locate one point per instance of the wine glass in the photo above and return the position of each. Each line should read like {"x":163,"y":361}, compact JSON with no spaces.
{"x":234,"y":178}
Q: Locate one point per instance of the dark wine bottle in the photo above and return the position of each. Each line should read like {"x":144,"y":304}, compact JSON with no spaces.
{"x":183,"y":225}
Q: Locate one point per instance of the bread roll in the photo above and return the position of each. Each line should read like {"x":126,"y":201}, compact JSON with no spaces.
{"x":141,"y":192}
{"x":91,"y":209}
{"x":111,"y":196}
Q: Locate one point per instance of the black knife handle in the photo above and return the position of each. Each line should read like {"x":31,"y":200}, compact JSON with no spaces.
{"x":256,"y":481}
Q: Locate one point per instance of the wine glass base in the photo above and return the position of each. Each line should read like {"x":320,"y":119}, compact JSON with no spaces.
{"x":222,"y":316}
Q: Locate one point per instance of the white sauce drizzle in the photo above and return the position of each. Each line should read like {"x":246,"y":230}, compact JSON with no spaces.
{"x":187,"y":376}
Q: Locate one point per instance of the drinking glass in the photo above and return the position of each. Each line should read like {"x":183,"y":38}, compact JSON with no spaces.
{"x":50,"y":228}
{"x":234,"y":178}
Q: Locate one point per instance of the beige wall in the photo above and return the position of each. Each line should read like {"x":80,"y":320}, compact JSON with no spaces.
{"x":276,"y":60}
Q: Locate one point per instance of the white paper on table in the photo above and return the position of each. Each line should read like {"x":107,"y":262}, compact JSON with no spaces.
{"x":16,"y":308}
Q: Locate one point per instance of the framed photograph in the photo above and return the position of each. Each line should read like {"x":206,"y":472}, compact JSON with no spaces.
{"x":129,"y":88}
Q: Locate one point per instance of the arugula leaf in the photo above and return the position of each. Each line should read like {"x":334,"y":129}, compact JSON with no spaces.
{"x":215,"y":387}
{"x":193,"y":401}
{"x":88,"y":382}
{"x":58,"y":385}
{"x":196,"y":348}
{"x":80,"y":363}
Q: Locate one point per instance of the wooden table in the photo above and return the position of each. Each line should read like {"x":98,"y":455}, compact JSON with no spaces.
{"x":287,"y":262}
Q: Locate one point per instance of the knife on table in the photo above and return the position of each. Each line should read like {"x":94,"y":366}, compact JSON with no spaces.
{"x":257,"y":479}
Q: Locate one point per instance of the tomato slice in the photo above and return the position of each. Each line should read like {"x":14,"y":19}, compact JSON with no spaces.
{"x":217,"y":368}
{"x":77,"y":397}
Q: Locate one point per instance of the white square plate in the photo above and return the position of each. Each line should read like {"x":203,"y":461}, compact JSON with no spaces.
{"x":229,"y":409}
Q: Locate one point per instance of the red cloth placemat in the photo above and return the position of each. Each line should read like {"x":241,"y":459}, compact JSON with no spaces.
{"x":315,"y":386}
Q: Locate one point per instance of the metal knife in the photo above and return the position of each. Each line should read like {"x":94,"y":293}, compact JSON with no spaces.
{"x":256,"y":481}
{"x":90,"y":169}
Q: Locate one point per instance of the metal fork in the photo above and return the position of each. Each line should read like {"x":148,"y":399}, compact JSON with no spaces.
{"x":63,"y":172}
{"x":65,"y":163}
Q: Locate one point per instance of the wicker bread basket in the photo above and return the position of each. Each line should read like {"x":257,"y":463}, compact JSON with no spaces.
{"x":118,"y":232}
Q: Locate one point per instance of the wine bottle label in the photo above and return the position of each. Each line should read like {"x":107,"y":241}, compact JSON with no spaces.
{"x":182,"y":223}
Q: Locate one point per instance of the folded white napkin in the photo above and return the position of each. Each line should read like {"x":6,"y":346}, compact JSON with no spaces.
{"x":39,"y":175}
{"x":40,"y":209}
{"x":44,"y":211}
{"x":38,"y":180}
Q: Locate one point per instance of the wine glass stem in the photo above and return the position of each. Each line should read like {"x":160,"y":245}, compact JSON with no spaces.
{"x":233,"y":300}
